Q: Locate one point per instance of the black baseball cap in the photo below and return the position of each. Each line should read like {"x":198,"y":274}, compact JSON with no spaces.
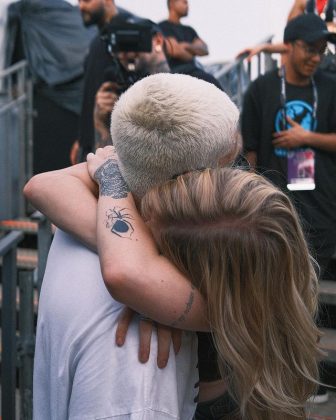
{"x":309,"y":28}
{"x":121,"y":20}
{"x":147,"y":23}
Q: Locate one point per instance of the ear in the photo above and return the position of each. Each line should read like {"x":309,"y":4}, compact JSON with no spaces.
{"x":289,"y":46}
{"x":231,"y":156}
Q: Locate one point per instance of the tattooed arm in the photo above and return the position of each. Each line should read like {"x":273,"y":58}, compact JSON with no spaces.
{"x":133,"y":271}
{"x":68,"y":197}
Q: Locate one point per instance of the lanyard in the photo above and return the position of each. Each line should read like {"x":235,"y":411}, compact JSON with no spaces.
{"x":283,"y":100}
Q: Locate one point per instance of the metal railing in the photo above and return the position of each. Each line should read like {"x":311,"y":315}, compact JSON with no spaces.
{"x":235,"y":76}
{"x":8,"y":246}
{"x":16,"y":138}
{"x":18,"y":338}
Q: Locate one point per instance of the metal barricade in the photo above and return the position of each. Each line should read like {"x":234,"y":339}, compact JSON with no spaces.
{"x":235,"y":76}
{"x":8,"y":246}
{"x":18,"y":338}
{"x":16,"y":138}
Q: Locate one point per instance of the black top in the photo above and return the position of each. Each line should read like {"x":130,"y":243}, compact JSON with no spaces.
{"x":181,"y":33}
{"x":207,"y":358}
{"x":261,"y":117}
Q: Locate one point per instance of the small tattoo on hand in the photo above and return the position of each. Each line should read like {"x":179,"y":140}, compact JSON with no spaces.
{"x":110,"y":180}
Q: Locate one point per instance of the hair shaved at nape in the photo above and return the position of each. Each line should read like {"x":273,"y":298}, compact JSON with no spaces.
{"x":168,"y":124}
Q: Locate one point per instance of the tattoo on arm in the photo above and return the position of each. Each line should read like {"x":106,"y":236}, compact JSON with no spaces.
{"x":118,"y":221}
{"x":111,"y":181}
{"x":188,"y":307}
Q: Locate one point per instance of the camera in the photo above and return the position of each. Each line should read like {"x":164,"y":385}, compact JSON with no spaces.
{"x":126,"y":37}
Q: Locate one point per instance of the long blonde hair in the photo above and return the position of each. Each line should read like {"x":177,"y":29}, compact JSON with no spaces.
{"x":239,"y":240}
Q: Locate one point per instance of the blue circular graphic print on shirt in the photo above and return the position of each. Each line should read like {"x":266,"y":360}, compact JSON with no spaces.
{"x":300,"y":112}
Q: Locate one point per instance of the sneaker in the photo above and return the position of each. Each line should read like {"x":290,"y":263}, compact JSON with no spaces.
{"x":320,"y":397}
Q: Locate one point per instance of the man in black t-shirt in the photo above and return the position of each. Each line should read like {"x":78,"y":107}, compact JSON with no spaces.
{"x":183,"y":43}
{"x":289,"y":126}
{"x":289,"y":134}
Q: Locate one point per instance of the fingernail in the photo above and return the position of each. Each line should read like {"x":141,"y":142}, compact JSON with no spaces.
{"x":119,"y":342}
{"x":162,"y":363}
{"x":143,"y":358}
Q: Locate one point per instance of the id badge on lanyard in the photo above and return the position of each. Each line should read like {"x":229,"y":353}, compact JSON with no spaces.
{"x":301,"y":170}
{"x":300,"y":162}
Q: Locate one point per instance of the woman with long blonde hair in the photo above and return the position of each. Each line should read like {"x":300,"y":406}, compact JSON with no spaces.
{"x":238,"y":239}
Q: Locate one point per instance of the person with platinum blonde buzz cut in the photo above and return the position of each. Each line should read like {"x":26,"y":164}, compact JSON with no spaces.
{"x":200,"y":244}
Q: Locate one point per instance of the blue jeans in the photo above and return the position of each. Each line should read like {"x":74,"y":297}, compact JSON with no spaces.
{"x":221,"y":408}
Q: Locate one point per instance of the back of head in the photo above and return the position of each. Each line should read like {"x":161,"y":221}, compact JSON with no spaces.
{"x":168,"y":124}
{"x":239,"y":240}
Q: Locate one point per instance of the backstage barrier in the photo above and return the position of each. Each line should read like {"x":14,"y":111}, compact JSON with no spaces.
{"x":20,"y":290}
{"x":16,"y":138}
{"x":235,"y":76}
{"x":8,"y":246}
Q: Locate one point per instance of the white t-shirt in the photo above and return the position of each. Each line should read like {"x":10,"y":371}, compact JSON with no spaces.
{"x":79,"y":372}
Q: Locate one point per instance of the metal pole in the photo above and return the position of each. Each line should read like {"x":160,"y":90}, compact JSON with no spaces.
{"x":9,"y":279}
{"x":29,"y":128}
{"x":239,"y":85}
{"x":27,"y":340}
{"x":259,"y":65}
{"x":14,"y":68}
{"x":249,"y":70}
